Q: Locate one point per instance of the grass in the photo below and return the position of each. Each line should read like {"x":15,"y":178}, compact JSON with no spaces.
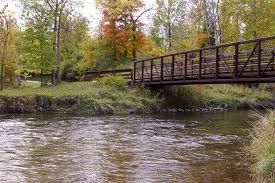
{"x":233,"y":96}
{"x":262,"y":149}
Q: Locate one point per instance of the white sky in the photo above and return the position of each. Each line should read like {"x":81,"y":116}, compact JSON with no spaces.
{"x":88,"y":10}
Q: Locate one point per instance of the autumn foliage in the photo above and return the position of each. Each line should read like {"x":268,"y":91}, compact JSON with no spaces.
{"x":122,"y":28}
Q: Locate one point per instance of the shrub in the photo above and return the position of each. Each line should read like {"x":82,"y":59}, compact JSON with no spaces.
{"x":112,"y":81}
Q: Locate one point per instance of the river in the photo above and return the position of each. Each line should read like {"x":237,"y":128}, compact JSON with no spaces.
{"x":188,"y":147}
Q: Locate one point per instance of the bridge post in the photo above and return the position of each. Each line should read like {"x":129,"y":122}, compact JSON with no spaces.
{"x":236,"y":69}
{"x":200,"y":63}
{"x":161,"y":69}
{"x":173,"y":68}
{"x":217,"y":62}
{"x":181,"y":65}
{"x":185,"y":66}
{"x":152,"y":74}
{"x":259,"y":58}
{"x":134,"y":74}
{"x":142,"y":71}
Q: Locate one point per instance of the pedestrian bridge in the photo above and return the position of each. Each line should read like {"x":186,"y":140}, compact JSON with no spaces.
{"x":249,"y":61}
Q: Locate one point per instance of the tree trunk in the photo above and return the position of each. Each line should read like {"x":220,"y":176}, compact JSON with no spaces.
{"x":170,"y":35}
{"x":134,"y":41}
{"x":53,"y":77}
{"x":55,"y":28}
{"x":134,"y":54}
{"x":55,"y":35}
{"x":41,"y":78}
{"x":219,"y":28}
{"x":6,"y":36}
{"x":113,"y":41}
{"x":2,"y":75}
{"x":255,"y":19}
{"x":58,"y":48}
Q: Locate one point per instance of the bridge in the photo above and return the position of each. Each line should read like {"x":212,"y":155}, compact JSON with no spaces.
{"x":249,"y":61}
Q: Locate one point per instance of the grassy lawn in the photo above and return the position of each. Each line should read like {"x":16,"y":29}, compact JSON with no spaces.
{"x":64,"y":89}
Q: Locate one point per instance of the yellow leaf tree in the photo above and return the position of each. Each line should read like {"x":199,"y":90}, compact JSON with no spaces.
{"x":7,"y":46}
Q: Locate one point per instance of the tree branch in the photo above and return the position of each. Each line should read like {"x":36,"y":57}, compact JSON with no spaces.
{"x":142,"y":13}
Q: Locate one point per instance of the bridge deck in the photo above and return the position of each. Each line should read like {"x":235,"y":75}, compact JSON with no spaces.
{"x":241,"y":62}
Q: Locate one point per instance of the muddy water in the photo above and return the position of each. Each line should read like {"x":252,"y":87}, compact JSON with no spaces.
{"x":161,"y":148}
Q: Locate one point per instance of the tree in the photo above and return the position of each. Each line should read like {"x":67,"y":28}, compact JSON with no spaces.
{"x":7,"y":45}
{"x":75,"y":34}
{"x":230,"y":21}
{"x":204,"y":17}
{"x":122,"y":27}
{"x":257,"y":18}
{"x":54,"y":9}
{"x":246,"y":19}
{"x":138,"y":40}
{"x":57,"y":7}
{"x":36,"y":48}
{"x":88,"y":61}
{"x":170,"y":15}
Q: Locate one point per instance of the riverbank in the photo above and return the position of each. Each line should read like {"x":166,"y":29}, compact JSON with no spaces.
{"x":262,"y":149}
{"x":107,"y":96}
{"x":217,"y":97}
{"x":112,"y":95}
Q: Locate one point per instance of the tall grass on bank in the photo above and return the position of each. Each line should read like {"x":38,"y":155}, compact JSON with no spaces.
{"x":236,"y":94}
{"x":262,"y":149}
{"x":232,"y":96}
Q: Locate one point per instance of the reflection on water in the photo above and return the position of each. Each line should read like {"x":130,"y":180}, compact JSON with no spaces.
{"x":169,"y":148}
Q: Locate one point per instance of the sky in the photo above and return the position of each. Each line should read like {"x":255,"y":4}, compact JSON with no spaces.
{"x":88,"y":10}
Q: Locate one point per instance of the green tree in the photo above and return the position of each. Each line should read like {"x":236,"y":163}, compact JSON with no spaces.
{"x":36,"y":48}
{"x":257,"y":18}
{"x":168,"y":23}
{"x":230,"y":22}
{"x":53,"y":9}
{"x":246,"y":19}
{"x":75,"y":31}
{"x":88,"y":61}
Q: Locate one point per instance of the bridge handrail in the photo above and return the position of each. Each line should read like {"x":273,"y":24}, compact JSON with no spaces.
{"x":208,"y":48}
{"x":109,"y":71}
{"x":126,"y":73}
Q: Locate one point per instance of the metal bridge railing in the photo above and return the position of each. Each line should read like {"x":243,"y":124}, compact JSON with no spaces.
{"x":245,"y":61}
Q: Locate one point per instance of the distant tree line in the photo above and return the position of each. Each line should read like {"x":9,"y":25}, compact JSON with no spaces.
{"x":57,"y":39}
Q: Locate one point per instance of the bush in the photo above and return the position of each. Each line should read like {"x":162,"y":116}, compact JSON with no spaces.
{"x":112,"y":81}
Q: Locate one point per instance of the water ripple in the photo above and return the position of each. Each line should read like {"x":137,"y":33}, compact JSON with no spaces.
{"x":178,"y":148}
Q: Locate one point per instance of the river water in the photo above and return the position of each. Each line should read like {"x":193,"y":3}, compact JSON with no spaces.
{"x":187,"y":148}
